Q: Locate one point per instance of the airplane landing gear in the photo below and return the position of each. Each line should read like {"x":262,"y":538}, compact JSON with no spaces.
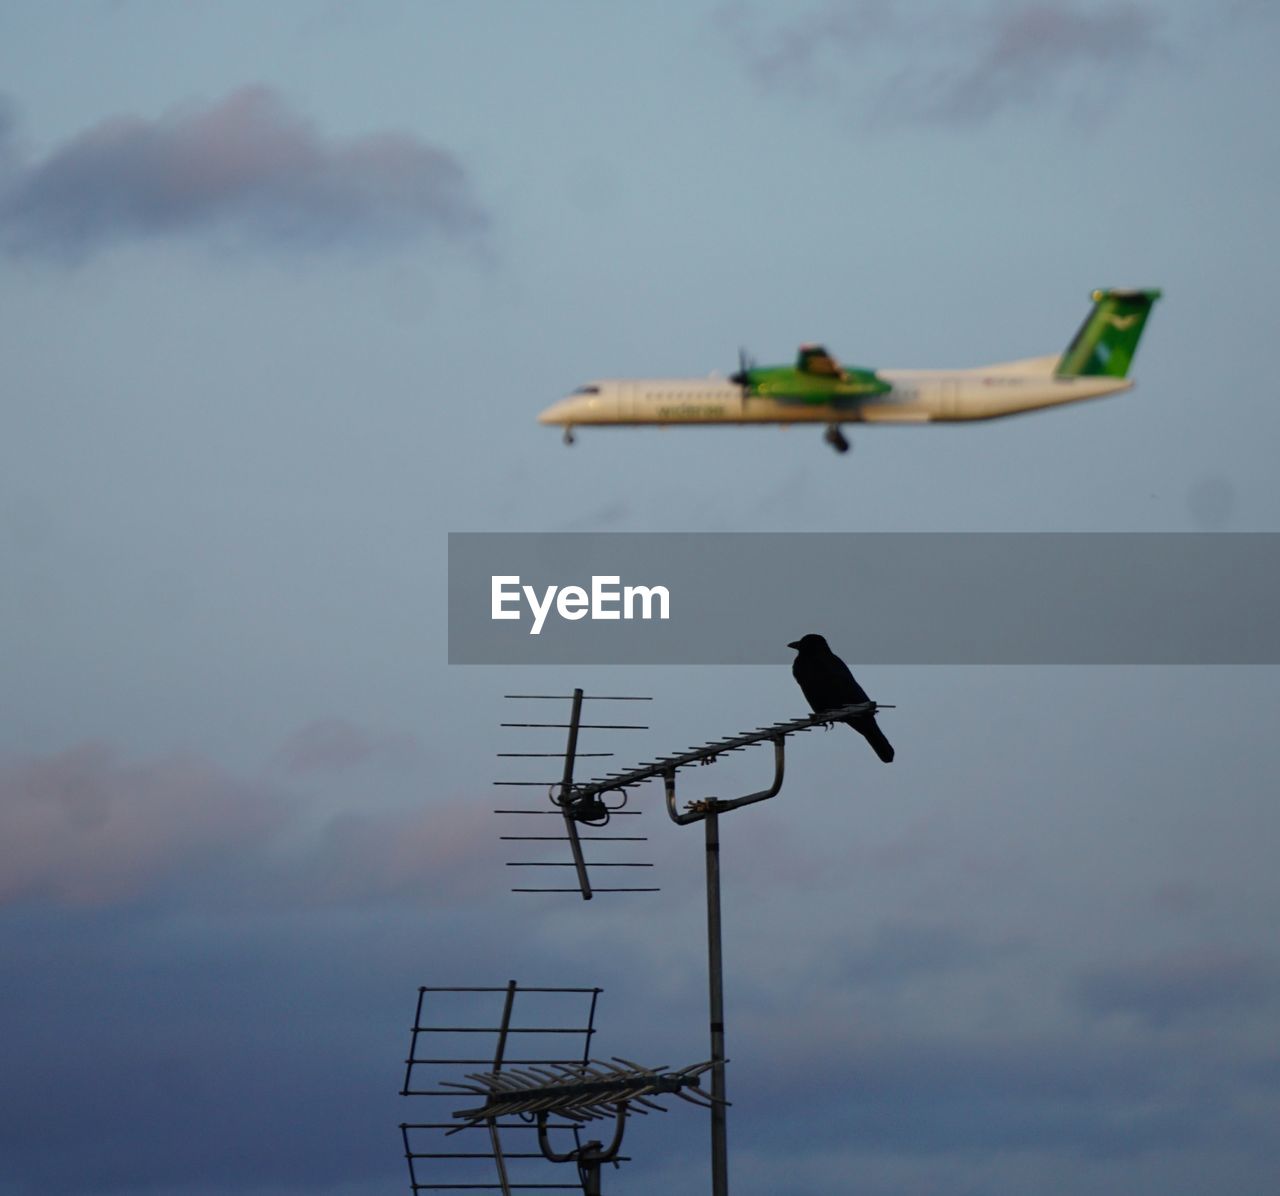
{"x":568,"y":435}
{"x":835,"y":438}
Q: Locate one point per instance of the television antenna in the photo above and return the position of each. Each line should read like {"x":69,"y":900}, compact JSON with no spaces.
{"x":578,"y":802}
{"x":543,"y":1094}
{"x":588,"y":821}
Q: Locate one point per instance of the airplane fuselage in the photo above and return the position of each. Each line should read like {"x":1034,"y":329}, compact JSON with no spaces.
{"x":914,"y":396}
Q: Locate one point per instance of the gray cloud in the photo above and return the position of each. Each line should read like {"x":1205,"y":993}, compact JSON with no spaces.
{"x":397,"y":856}
{"x":1171,"y":988}
{"x":83,"y":827}
{"x":244,"y":170}
{"x":8,"y":140}
{"x":338,"y":745}
{"x":1022,"y":51}
{"x":902,"y":952}
{"x":965,"y":1089}
{"x":793,"y":54}
{"x":963,"y":65}
{"x":86,"y":828}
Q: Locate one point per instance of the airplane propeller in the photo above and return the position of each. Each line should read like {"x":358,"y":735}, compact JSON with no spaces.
{"x":742,"y":377}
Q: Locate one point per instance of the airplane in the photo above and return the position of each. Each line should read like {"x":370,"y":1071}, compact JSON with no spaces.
{"x":819,"y":390}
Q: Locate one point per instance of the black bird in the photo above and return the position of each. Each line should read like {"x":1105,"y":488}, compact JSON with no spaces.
{"x":828,"y":684}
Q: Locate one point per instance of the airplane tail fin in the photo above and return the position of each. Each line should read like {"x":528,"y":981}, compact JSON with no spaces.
{"x":1108,"y":338}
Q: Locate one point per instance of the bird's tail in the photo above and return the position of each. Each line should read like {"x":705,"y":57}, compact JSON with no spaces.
{"x":875,"y":737}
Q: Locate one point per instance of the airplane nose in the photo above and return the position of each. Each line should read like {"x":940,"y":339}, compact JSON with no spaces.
{"x":560,"y":412}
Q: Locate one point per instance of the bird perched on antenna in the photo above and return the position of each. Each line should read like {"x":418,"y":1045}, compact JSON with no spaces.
{"x":828,"y":684}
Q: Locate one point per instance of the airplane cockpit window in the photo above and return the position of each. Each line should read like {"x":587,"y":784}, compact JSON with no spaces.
{"x":587,"y":390}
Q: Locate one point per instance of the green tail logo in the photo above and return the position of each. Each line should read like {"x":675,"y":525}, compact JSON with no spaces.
{"x":1108,"y":338}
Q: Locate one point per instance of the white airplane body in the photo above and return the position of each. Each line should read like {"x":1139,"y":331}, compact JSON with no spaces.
{"x":820,"y":391}
{"x":917,"y":397}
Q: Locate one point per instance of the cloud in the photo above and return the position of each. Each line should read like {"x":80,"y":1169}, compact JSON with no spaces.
{"x":244,"y":170}
{"x":959,"y":64}
{"x":1171,"y":988}
{"x":337,"y":745}
{"x":1024,"y":50}
{"x":83,"y":827}
{"x":902,"y":952}
{"x":944,"y":1086}
{"x":409,"y":857}
{"x":8,"y":141}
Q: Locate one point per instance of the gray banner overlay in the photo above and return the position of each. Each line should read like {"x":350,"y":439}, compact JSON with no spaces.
{"x":911,"y":598}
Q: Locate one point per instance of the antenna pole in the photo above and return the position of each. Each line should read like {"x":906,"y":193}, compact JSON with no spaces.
{"x":503,"y":1181}
{"x":715,"y":975}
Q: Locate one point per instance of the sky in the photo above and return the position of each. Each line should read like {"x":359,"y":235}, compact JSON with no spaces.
{"x":282,"y":290}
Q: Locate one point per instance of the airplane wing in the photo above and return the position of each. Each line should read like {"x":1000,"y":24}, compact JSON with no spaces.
{"x":815,"y":360}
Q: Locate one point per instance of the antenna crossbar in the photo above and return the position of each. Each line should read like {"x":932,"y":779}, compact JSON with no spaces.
{"x":709,"y":751}
{"x":578,"y":1092}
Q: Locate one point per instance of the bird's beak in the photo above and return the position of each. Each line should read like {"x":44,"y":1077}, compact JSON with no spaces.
{"x":794,"y":644}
